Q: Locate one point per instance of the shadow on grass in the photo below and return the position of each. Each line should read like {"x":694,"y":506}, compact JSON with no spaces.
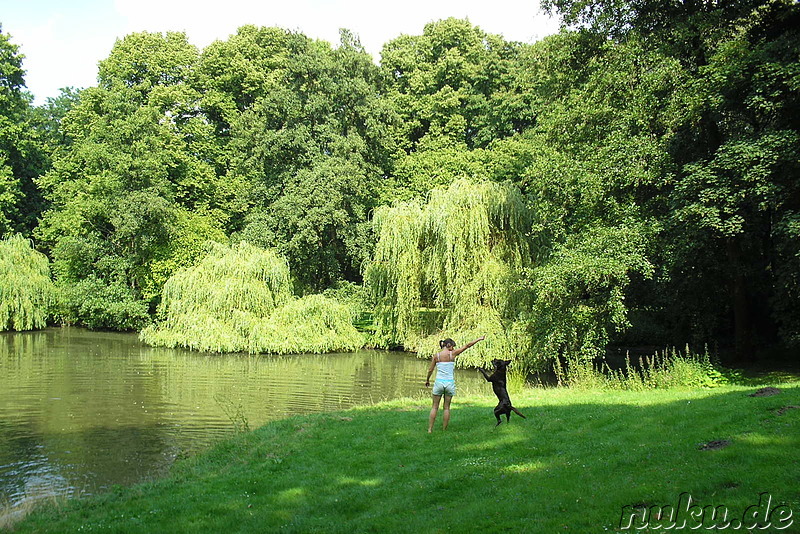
{"x":573,"y":464}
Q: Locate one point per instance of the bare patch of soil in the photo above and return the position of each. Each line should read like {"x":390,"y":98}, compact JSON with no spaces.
{"x":715,"y":445}
{"x":781,"y":411}
{"x":765,"y":392}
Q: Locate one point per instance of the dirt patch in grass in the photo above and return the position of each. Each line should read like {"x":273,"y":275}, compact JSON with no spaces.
{"x":715,"y":445}
{"x":765,"y":392}
{"x":781,"y":411}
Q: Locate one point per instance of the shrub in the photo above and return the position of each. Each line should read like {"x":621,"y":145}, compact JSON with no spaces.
{"x":97,"y":305}
{"x":239,"y":299}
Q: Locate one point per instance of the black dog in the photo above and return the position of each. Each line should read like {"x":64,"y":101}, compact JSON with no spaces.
{"x":498,"y":380}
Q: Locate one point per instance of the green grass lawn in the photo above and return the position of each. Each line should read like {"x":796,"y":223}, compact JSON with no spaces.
{"x":571,"y":466}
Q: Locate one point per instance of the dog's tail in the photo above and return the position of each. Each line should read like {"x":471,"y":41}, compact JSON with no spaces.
{"x":518,"y":412}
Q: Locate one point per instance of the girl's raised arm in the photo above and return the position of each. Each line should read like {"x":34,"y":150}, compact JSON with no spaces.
{"x":468,"y":345}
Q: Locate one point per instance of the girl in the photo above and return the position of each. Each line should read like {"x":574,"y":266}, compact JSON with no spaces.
{"x":445,"y":384}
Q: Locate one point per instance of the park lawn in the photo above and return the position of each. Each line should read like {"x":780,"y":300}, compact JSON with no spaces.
{"x":572,"y":465}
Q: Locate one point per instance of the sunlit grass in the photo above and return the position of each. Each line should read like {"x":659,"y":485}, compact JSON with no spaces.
{"x":578,"y":458}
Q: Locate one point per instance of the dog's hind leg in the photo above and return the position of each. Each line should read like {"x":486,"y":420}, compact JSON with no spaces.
{"x":497,"y":412}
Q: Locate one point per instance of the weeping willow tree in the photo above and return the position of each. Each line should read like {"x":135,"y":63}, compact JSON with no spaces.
{"x":26,"y":289}
{"x":458,"y":258}
{"x":239,"y":299}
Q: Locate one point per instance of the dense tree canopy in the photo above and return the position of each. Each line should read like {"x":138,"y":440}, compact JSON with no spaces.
{"x":134,"y":179}
{"x":460,"y":256}
{"x":629,"y":180}
{"x":305,"y":136}
{"x":726,"y":197}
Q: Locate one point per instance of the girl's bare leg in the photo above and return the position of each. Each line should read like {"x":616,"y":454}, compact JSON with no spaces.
{"x":446,"y":415}
{"x":434,"y":409}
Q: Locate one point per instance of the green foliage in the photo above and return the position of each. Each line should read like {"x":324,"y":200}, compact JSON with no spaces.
{"x":193,"y":230}
{"x":26,"y":290}
{"x":578,"y":297}
{"x":22,"y":156}
{"x":49,"y":119}
{"x":667,"y":369}
{"x":239,"y":299}
{"x":313,"y":323}
{"x":141,"y":62}
{"x":356,"y":298}
{"x":588,"y":167}
{"x":308,"y":134}
{"x":133,"y":191}
{"x":318,"y":223}
{"x":654,"y":152}
{"x":213,"y":306}
{"x":453,"y":86}
{"x":420,"y":171}
{"x":93,"y":303}
{"x":723,"y":124}
{"x":471,"y":255}
{"x":456,"y":93}
{"x":736,"y":187}
{"x":460,"y":253}
{"x":10,"y":194}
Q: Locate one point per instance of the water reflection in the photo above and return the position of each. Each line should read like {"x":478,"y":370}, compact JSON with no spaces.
{"x":80,"y":411}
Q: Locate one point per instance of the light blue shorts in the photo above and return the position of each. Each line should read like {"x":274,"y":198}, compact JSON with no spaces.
{"x":444,"y":387}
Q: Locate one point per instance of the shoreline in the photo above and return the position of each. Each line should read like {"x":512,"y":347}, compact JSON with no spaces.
{"x":361,"y":469}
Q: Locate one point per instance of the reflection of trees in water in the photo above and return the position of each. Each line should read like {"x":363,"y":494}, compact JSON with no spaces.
{"x":14,"y":345}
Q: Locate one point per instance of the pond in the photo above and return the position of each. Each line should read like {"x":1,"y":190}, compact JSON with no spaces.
{"x":82,"y":411}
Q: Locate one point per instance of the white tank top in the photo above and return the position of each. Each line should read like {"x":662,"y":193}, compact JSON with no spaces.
{"x":444,"y":371}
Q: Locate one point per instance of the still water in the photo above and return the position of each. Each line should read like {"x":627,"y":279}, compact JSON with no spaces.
{"x":81,"y":411}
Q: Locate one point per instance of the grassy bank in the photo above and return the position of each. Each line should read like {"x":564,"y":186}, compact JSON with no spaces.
{"x":572,"y":465}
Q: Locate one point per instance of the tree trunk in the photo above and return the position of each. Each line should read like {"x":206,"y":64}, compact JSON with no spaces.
{"x":742,"y":322}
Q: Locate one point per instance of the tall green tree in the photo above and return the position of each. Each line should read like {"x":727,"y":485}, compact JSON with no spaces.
{"x":49,"y":118}
{"x":135,"y":166}
{"x":587,"y":166}
{"x":726,"y":198}
{"x":454,"y":88}
{"x":309,"y":138}
{"x":451,"y":268}
{"x":21,"y":154}
{"x":451,"y":84}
